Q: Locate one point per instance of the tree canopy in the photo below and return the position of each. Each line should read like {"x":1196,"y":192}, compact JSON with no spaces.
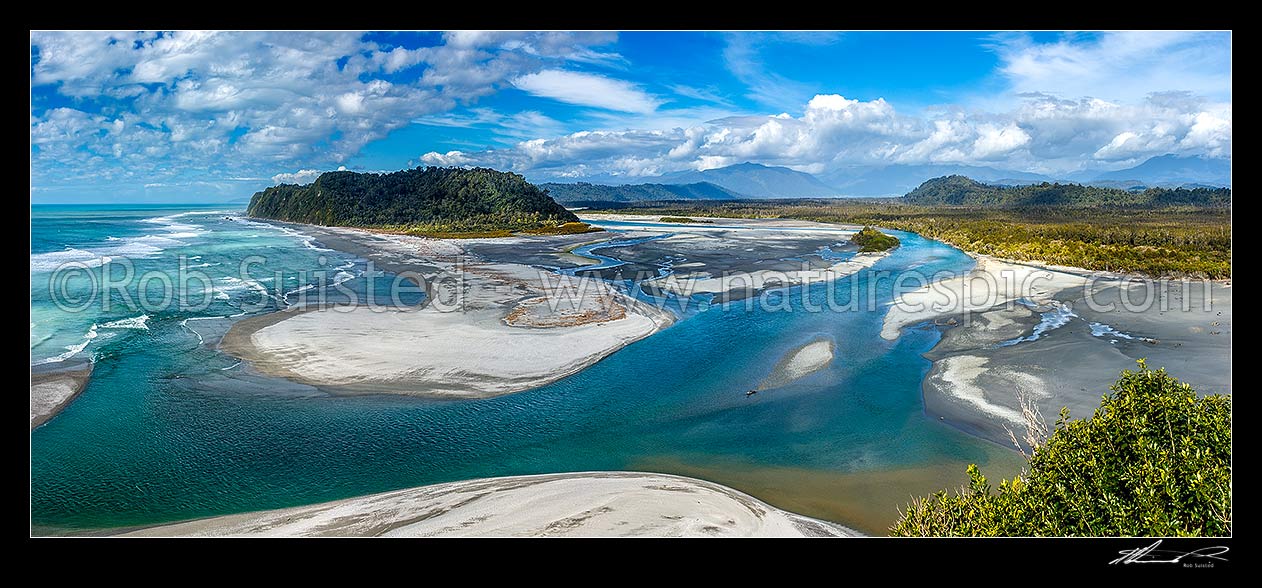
{"x":870,"y":239}
{"x":1154,"y":460}
{"x":435,"y":198}
{"x":960,"y":190}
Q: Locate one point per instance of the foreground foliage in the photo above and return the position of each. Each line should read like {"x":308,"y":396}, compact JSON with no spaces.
{"x":1154,"y":460}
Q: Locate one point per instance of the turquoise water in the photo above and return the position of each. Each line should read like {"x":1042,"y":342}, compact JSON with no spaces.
{"x":168,"y":428}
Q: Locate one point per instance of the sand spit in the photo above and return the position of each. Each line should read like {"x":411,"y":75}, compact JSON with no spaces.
{"x":488,"y":329}
{"x":497,"y":320}
{"x":992,"y":283}
{"x":1059,"y":336}
{"x":589,"y":504}
{"x":55,"y":386}
{"x":701,"y":282}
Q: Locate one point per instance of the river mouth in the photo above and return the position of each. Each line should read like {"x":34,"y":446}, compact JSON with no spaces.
{"x":178,"y":430}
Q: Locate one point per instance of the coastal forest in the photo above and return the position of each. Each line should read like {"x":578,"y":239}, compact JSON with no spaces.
{"x":425,"y":200}
{"x":962,"y":191}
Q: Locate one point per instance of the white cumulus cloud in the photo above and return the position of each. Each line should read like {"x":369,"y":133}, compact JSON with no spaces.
{"x":586,"y":89}
{"x":1043,"y":133}
{"x":150,"y":108}
{"x":301,"y":177}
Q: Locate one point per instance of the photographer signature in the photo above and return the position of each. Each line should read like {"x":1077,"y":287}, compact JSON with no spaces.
{"x":1151,"y":554}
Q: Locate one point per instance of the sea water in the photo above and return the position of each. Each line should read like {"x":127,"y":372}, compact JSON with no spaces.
{"x":169,"y":428}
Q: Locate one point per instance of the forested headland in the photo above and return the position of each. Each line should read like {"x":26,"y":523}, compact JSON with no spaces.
{"x":436,"y":201}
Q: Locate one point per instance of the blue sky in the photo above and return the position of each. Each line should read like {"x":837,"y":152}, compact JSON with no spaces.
{"x":201,"y":116}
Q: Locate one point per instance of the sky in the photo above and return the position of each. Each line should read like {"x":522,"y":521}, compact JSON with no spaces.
{"x":213,"y":116}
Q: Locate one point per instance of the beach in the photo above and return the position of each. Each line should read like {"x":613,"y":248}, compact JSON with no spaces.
{"x":54,"y":386}
{"x":585,"y":504}
{"x":504,"y":315}
{"x":1059,"y":337}
{"x":486,"y":328}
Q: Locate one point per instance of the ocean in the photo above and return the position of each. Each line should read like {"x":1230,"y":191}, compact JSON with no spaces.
{"x":169,"y":428}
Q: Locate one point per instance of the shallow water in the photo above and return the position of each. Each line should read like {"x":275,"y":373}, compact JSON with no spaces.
{"x":170,"y":429}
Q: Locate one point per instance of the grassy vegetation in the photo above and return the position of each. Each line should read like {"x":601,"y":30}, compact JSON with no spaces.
{"x":571,"y":228}
{"x":1171,"y":241}
{"x":417,"y":232}
{"x":1154,"y":460}
{"x":869,"y":239}
{"x":437,"y":232}
{"x":682,"y":220}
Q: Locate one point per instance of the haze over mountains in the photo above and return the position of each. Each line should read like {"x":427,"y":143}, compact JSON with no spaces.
{"x":751,"y":180}
{"x":758,"y":181}
{"x":585,"y":191}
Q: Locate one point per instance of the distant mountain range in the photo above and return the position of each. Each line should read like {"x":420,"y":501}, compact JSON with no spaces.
{"x":587,"y":192}
{"x":758,"y":181}
{"x":896,"y":180}
{"x":1171,"y":170}
{"x":751,"y":180}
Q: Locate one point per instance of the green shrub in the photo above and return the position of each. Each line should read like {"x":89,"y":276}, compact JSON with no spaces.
{"x":870,"y":239}
{"x":570,"y":228}
{"x":1154,"y":460}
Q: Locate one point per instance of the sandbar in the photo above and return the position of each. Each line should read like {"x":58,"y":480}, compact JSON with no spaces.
{"x":585,"y":504}
{"x":55,"y":386}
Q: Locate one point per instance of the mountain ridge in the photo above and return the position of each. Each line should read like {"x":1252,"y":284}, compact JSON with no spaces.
{"x":754,"y":180}
{"x":959,"y":190}
{"x":590,"y":192}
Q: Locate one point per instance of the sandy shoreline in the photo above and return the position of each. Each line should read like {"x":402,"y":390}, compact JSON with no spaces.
{"x":495,"y":321}
{"x":54,"y":387}
{"x":1036,"y":334}
{"x":991,"y":283}
{"x":487,"y":328}
{"x":585,"y":504}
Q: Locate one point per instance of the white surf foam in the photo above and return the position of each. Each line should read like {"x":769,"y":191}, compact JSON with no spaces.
{"x":135,"y":322}
{"x":1103,"y":330}
{"x":173,"y":234}
{"x":71,"y":350}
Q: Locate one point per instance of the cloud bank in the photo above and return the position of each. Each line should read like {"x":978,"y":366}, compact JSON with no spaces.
{"x":1043,"y":134}
{"x":213,"y":109}
{"x":162,"y":106}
